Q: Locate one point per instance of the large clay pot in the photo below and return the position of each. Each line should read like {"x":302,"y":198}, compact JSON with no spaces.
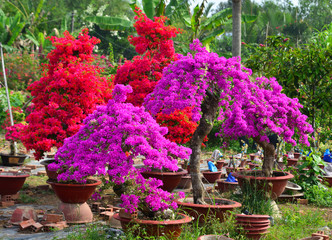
{"x":274,"y":185}
{"x":254,"y":226}
{"x":171,"y":229}
{"x":211,"y":177}
{"x":13,"y":160}
{"x":185,"y":182}
{"x":74,"y":193}
{"x":170,"y":179}
{"x":76,"y":213}
{"x":200,"y":212}
{"x":224,"y":186}
{"x":11,"y":183}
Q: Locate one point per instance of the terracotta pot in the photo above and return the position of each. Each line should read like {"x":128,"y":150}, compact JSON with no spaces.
{"x":13,"y":160}
{"x":213,"y":237}
{"x":11,"y":183}
{"x":255,"y":226}
{"x":52,"y":175}
{"x":170,"y":229}
{"x":297,"y":155}
{"x":170,"y":179}
{"x":200,"y":212}
{"x":274,"y":185}
{"x":220,"y":164}
{"x":256,"y":234}
{"x":327,"y":179}
{"x":211,"y":177}
{"x":252,"y":157}
{"x":244,"y":163}
{"x":292,"y":162}
{"x":231,"y":169}
{"x":76,"y":213}
{"x":253,"y":165}
{"x":74,"y":193}
{"x":224,"y":186}
{"x":185,"y":182}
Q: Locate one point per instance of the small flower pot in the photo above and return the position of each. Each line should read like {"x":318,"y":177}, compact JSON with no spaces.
{"x":220,"y":164}
{"x":211,"y":177}
{"x":292,"y":162}
{"x":253,"y":165}
{"x":297,"y":155}
{"x":52,"y":175}
{"x":252,"y":157}
{"x":224,"y":186}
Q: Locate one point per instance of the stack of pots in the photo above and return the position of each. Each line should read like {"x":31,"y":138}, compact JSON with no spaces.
{"x":254,"y":226}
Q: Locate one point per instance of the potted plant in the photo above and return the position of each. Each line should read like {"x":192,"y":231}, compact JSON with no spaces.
{"x":223,"y":88}
{"x":70,"y":89}
{"x":107,"y":144}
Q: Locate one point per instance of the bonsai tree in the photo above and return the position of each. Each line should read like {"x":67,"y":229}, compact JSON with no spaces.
{"x":69,"y":90}
{"x":107,"y":143}
{"x":155,"y":47}
{"x":221,"y":88}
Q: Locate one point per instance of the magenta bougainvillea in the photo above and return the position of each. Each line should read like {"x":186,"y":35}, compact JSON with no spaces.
{"x":247,"y":107}
{"x":101,"y":144}
{"x":69,"y":90}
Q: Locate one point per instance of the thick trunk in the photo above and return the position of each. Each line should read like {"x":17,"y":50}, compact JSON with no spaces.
{"x":13,"y":148}
{"x":209,"y":109}
{"x":269,"y":152}
{"x":236,"y":33}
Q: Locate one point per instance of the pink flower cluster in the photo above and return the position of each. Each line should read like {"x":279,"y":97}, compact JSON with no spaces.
{"x":102,"y":143}
{"x":248,"y":107}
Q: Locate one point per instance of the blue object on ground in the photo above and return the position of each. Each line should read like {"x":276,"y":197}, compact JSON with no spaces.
{"x":308,"y":153}
{"x":230,"y":178}
{"x":212,"y":167}
{"x":327,"y":156}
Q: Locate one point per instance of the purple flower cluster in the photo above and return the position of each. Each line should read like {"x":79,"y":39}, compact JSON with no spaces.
{"x":109,"y":140}
{"x":248,"y":107}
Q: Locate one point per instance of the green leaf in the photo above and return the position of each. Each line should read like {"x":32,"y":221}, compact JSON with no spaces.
{"x":149,"y":7}
{"x":248,"y":18}
{"x":160,"y":9}
{"x":217,"y":19}
{"x":212,"y":36}
{"x":193,"y":23}
{"x":111,"y":23}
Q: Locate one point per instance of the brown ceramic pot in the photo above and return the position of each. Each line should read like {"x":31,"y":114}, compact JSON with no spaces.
{"x":171,"y":229}
{"x":224,"y":186}
{"x":74,"y":193}
{"x":170,"y":179}
{"x":11,"y":183}
{"x":292,"y":162}
{"x":211,"y":177}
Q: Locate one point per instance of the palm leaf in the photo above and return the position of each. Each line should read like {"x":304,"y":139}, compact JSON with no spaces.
{"x":111,"y":23}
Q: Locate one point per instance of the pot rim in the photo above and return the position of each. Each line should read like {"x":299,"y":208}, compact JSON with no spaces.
{"x":186,"y":204}
{"x":185,"y":219}
{"x":10,"y":155}
{"x":209,"y":172}
{"x":224,"y":181}
{"x":179,"y":172}
{"x":96,"y":183}
{"x":47,"y":161}
{"x":14,"y":175}
{"x":252,"y":216}
{"x":285,"y":177}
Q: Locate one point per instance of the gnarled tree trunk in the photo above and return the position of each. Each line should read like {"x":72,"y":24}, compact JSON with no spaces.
{"x":269,"y":152}
{"x":209,"y":109}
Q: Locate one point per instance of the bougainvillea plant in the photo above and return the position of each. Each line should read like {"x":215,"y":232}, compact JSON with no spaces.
{"x":216,"y":86}
{"x":155,"y":45}
{"x":69,"y":90}
{"x":101,"y":144}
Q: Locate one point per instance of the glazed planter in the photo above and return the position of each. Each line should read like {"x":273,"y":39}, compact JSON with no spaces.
{"x":185,"y":182}
{"x":224,"y":186}
{"x":274,"y":185}
{"x":231,"y":169}
{"x":11,"y":183}
{"x":74,"y":193}
{"x":292,"y":162}
{"x":52,"y":175}
{"x":211,"y":177}
{"x":219,"y":208}
{"x":170,"y":179}
{"x":328,"y":180}
{"x":171,"y":229}
{"x":13,"y":160}
{"x":213,"y":237}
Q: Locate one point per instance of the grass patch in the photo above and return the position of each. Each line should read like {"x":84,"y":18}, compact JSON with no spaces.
{"x":34,"y":181}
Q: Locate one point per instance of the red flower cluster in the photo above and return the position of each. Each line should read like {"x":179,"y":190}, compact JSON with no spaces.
{"x":69,"y":91}
{"x":156,"y":50}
